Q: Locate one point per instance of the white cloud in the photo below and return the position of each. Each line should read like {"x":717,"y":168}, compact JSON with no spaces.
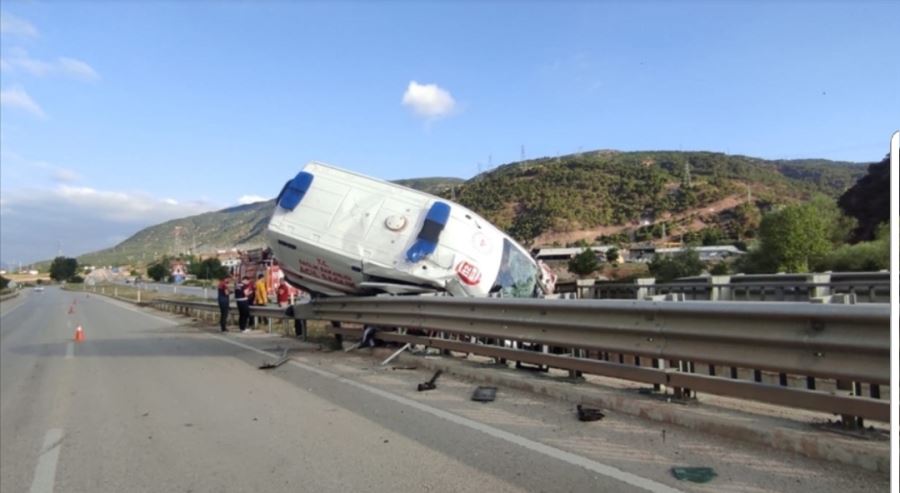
{"x":77,"y":69}
{"x":82,"y":218}
{"x":18,"y":98}
{"x":14,"y":26}
{"x":63,"y":175}
{"x":251,"y":199}
{"x":19,"y":170}
{"x":428,"y":100}
{"x":18,"y":60}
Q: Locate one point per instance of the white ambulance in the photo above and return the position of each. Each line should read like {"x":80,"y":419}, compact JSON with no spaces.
{"x":335,"y":232}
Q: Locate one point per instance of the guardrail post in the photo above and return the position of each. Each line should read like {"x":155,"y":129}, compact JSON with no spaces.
{"x":645,"y":287}
{"x":583,"y":287}
{"x":817,"y":291}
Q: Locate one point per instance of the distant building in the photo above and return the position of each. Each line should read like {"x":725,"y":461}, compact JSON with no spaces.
{"x":230,"y":259}
{"x":178,"y":270}
{"x":706,"y":253}
{"x":565,"y":254}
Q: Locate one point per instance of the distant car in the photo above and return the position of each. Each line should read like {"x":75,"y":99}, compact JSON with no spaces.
{"x":39,"y":288}
{"x":335,"y":233}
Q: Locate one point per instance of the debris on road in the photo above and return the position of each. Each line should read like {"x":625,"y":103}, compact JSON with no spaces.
{"x":280,"y":361}
{"x":485,"y":394}
{"x":429,"y":385}
{"x":694,"y":474}
{"x":397,"y":353}
{"x":404,"y":367}
{"x":589,"y":413}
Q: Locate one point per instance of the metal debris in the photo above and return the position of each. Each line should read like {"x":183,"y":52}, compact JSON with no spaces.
{"x":484,"y":394}
{"x":429,"y":385}
{"x":397,"y":353}
{"x":280,"y":361}
{"x":589,"y":414}
{"x":694,"y":474}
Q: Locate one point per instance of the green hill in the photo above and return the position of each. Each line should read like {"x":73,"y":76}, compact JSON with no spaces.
{"x":618,"y":189}
{"x":542,"y":201}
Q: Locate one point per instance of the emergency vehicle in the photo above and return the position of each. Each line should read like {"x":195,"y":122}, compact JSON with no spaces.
{"x":335,"y":232}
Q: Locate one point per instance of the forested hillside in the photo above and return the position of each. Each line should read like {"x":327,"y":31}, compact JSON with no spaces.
{"x":590,"y":190}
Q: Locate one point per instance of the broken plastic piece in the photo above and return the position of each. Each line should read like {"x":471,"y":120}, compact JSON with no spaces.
{"x":694,"y":474}
{"x":589,"y":414}
{"x":484,"y":394}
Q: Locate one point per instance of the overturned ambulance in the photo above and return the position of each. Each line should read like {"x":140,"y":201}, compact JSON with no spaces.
{"x":336,"y":233}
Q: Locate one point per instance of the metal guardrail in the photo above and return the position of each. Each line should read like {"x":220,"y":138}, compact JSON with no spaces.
{"x":868,"y":287}
{"x":844,"y":346}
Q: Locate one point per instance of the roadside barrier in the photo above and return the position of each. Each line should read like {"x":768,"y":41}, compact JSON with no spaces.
{"x":821,"y":357}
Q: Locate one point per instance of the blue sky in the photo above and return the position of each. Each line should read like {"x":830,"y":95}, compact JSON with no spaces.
{"x":117,"y":116}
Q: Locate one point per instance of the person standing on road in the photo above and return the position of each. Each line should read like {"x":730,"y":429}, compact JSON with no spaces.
{"x":223,"y":302}
{"x":241,"y":290}
{"x":261,"y":294}
{"x":250,"y":290}
{"x":283,"y":294}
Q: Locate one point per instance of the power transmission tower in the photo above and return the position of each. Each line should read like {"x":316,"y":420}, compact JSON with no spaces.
{"x":522,"y":155}
{"x":687,"y":174}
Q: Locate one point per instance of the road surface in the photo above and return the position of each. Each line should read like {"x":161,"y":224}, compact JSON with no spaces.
{"x":149,"y":402}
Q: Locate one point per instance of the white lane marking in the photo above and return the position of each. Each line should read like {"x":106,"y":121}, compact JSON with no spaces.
{"x":70,"y":350}
{"x":12,"y":309}
{"x":125,"y":306}
{"x":562,"y":455}
{"x":45,"y":471}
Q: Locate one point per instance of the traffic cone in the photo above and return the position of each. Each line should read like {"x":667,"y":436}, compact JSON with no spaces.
{"x":79,"y":334}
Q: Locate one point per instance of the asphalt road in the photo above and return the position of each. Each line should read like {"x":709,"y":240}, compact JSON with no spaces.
{"x":149,"y":403}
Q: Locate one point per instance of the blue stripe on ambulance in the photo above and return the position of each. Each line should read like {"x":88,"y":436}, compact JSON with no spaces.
{"x":294,"y":190}
{"x":426,"y":241}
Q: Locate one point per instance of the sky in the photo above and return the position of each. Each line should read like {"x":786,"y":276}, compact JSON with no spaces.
{"x":115,"y":116}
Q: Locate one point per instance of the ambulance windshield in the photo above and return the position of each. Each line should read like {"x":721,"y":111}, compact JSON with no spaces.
{"x":518,"y":273}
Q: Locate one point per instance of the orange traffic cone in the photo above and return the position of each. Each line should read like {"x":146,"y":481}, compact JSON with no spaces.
{"x":79,"y":334}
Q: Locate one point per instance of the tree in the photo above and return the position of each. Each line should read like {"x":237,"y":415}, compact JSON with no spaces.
{"x":869,"y":200}
{"x":210,"y":268}
{"x":157,"y":271}
{"x":63,"y":268}
{"x":584,"y":263}
{"x":666,"y":268}
{"x":790,"y":239}
{"x":612,"y":255}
